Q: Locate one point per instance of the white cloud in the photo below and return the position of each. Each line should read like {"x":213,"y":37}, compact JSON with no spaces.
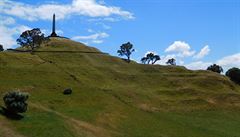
{"x":96,"y":38}
{"x":198,"y":65}
{"x":204,"y":52}
{"x":6,"y":20}
{"x":7,"y":33}
{"x":181,"y":48}
{"x":230,"y":61}
{"x":225,"y":62}
{"x":90,"y":8}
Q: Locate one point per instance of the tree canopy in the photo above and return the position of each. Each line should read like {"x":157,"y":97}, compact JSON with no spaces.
{"x":1,"y":48}
{"x":171,"y":61}
{"x":31,"y":38}
{"x":215,"y":68}
{"x":150,"y":58}
{"x":126,"y":50}
{"x":234,"y":75}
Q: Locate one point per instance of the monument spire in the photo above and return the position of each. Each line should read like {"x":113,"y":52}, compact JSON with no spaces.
{"x":53,"y":27}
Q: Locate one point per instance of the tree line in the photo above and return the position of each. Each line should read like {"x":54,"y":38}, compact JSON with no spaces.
{"x":127,"y":49}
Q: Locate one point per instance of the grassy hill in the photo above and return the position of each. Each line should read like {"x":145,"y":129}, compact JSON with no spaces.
{"x":112,"y":98}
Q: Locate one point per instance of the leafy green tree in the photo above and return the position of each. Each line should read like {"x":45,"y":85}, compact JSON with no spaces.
{"x":144,"y":60}
{"x":126,"y":50}
{"x":171,"y":61}
{"x":31,"y":38}
{"x":215,"y":68}
{"x":234,"y":74}
{"x":1,"y":48}
{"x":15,"y":102}
{"x":150,"y":58}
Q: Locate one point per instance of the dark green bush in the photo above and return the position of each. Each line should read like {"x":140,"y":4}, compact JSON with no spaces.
{"x":67,"y":91}
{"x":1,"y":48}
{"x":215,"y":68}
{"x":234,"y":75}
{"x":15,"y":102}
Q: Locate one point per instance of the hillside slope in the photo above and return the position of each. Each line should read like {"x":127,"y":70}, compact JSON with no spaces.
{"x":112,"y":98}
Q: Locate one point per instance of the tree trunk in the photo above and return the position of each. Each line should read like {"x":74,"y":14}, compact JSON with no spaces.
{"x":128,"y":59}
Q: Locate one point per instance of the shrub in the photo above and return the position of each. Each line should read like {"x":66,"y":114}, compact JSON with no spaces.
{"x":67,"y":91}
{"x":1,"y":48}
{"x":234,"y":75}
{"x":215,"y":68}
{"x":15,"y":102}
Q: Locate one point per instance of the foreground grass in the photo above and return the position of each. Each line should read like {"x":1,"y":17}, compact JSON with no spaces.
{"x":113,"y":98}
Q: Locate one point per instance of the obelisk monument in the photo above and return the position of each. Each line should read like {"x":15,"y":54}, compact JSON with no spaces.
{"x":54,"y":34}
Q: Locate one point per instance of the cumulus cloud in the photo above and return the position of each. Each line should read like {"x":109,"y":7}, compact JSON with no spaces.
{"x":7,"y":33}
{"x":225,"y":62}
{"x":230,"y":61}
{"x":90,"y":8}
{"x":96,"y":38}
{"x":198,"y":65}
{"x":204,"y":52}
{"x":181,"y":48}
{"x":6,"y":20}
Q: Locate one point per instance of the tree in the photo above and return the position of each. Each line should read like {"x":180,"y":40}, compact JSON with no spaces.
{"x":144,"y":60}
{"x":150,"y":58}
{"x":15,"y":102}
{"x":31,"y":38}
{"x":171,"y":61}
{"x":1,"y":48}
{"x":215,"y":68}
{"x":126,"y":50}
{"x":234,"y":75}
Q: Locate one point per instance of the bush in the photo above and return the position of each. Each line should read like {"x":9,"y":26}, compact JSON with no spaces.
{"x":67,"y":91}
{"x":234,"y":75}
{"x":15,"y":102}
{"x":1,"y":48}
{"x":215,"y":68}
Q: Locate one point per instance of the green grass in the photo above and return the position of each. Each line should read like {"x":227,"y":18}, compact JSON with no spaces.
{"x":113,"y":98}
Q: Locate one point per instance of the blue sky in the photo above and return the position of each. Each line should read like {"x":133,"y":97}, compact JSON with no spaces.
{"x":196,"y":33}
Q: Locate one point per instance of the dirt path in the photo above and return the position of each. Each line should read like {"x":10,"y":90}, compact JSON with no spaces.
{"x":6,"y":131}
{"x":80,"y":127}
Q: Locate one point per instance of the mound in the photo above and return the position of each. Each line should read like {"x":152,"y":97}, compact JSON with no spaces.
{"x":115,"y":98}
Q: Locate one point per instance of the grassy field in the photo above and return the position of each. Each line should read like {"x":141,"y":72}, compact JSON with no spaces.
{"x":112,"y":98}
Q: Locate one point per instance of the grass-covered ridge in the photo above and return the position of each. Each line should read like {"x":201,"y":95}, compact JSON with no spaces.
{"x":112,"y":98}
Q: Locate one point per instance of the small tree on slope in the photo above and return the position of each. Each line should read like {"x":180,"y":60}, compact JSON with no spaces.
{"x":126,"y":50}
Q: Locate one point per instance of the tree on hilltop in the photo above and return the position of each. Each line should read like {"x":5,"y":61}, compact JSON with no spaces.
{"x":126,"y":50}
{"x":234,"y":75}
{"x":215,"y":68}
{"x":144,"y":60}
{"x":31,"y":38}
{"x":171,"y":61}
{"x":150,"y":58}
{"x":1,"y":48}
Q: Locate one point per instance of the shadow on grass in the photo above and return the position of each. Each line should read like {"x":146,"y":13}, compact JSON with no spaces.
{"x":10,"y":115}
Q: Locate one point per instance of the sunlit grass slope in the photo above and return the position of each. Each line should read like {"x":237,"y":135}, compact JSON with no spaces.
{"x":112,"y":98}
